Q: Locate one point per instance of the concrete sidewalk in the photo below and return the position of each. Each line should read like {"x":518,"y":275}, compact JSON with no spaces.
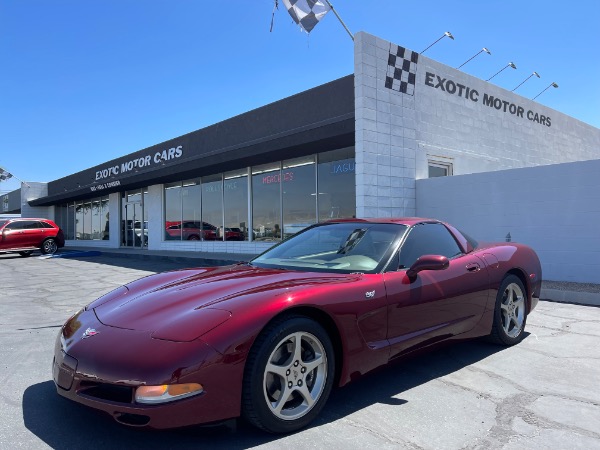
{"x":557,"y":291}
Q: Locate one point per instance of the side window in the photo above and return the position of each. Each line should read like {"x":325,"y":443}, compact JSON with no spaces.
{"x":45,"y":225}
{"x":18,"y":225}
{"x":34,"y":225}
{"x":427,"y":239}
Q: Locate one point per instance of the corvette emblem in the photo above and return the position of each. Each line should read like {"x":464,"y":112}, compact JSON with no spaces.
{"x":89,"y":333}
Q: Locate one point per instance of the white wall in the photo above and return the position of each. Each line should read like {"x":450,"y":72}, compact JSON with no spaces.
{"x":555,"y":209}
{"x":31,"y":191}
{"x":397,"y":132}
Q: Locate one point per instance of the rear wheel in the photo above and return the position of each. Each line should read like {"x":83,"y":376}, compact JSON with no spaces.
{"x":26,"y":253}
{"x":510,"y":313}
{"x":49,"y":246}
{"x":289,"y":375}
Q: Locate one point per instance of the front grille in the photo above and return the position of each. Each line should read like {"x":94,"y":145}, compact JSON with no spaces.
{"x":110,"y":392}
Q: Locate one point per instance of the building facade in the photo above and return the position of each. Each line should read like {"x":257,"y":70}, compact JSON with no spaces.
{"x":353,"y":147}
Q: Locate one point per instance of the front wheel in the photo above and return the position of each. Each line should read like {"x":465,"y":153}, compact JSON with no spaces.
{"x":49,"y":247}
{"x":510,"y":312}
{"x":289,"y":375}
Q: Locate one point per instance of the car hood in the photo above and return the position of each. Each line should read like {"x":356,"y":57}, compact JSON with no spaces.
{"x":183,"y":305}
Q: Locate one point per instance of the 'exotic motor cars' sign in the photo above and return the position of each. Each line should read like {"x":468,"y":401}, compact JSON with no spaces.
{"x":454,"y":88}
{"x":137,"y":163}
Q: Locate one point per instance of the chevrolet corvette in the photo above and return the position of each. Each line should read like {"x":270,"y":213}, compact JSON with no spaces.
{"x":268,"y":340}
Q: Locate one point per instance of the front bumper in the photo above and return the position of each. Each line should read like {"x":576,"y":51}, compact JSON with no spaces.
{"x":103,"y":371}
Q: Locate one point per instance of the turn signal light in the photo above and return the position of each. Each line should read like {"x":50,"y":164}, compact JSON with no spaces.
{"x":166,"y":392}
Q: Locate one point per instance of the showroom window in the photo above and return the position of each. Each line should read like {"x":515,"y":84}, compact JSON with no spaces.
{"x":266,"y":202}
{"x":84,"y":220}
{"x":336,"y":184}
{"x":212,"y":207}
{"x":272,"y":200}
{"x":173,"y":211}
{"x":235,"y":202}
{"x":299,"y":180}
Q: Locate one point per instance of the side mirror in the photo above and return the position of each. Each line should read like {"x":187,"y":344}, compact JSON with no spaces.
{"x":428,"y":262}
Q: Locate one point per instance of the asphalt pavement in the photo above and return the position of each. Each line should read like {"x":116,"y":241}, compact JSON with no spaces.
{"x":542,"y":393}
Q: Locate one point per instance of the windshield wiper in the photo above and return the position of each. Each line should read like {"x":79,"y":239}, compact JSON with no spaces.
{"x":352,"y":240}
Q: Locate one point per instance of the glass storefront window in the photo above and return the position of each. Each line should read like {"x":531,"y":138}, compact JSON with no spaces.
{"x":235,"y":200}
{"x":104,"y":218}
{"x":96,"y":212}
{"x":337,"y":197}
{"x":79,"y":221}
{"x":86,"y":220}
{"x":191,"y":193}
{"x":212,"y":207}
{"x":70,"y":234}
{"x":286,"y":197}
{"x":299,"y":200}
{"x":173,"y":211}
{"x":266,"y":202}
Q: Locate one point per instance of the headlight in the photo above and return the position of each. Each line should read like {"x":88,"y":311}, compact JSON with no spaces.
{"x":166,"y":392}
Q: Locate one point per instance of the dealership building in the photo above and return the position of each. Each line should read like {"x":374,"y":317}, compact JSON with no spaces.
{"x":389,"y":140}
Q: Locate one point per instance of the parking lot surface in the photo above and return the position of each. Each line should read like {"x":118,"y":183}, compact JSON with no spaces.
{"x":542,"y":393}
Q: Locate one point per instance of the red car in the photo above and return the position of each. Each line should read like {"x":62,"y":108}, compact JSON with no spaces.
{"x":191,"y":231}
{"x":23,"y":236}
{"x":267,"y":340}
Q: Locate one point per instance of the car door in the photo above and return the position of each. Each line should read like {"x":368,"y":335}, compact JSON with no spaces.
{"x":34,"y":233}
{"x":13,"y":235}
{"x":435,"y":304}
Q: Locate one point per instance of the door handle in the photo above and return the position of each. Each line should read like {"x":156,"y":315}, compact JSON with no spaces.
{"x":473,"y":267}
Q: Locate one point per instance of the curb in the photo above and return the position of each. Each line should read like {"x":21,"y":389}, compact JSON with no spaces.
{"x":575,"y":297}
{"x":194,"y":261}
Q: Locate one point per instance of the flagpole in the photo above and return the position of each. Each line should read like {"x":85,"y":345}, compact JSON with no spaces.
{"x":340,"y":19}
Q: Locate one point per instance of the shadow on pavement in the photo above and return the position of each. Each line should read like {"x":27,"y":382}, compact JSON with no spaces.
{"x":146,"y":264}
{"x":63,"y":424}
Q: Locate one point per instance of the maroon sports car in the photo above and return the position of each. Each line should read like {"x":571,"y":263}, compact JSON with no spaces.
{"x":268,"y":339}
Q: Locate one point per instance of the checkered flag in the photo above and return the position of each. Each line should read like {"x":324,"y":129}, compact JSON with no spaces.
{"x":307,"y":13}
{"x":402,"y":70}
{"x":4,"y":174}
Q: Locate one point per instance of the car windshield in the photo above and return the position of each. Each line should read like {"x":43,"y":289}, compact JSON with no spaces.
{"x":335,"y":247}
{"x":2,"y":223}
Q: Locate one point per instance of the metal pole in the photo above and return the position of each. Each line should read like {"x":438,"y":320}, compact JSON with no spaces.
{"x":340,"y":19}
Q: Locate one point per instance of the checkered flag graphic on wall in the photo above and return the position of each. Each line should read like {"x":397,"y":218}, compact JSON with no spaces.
{"x":402,"y":70}
{"x":307,"y":13}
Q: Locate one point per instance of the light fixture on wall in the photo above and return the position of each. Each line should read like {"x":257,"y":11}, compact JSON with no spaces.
{"x":447,"y":33}
{"x":553,"y":84}
{"x":510,"y":64}
{"x":475,"y":55}
{"x":534,"y":73}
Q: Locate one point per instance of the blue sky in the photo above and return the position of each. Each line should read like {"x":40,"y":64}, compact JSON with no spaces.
{"x":83,"y":82}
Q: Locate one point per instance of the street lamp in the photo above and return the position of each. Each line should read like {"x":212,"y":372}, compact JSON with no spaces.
{"x":476,"y":54}
{"x":534,"y":73}
{"x":510,"y":64}
{"x":447,"y":33}
{"x":553,"y":84}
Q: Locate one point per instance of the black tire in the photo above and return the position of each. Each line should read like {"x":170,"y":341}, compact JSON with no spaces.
{"x":194,"y":237}
{"x":510,"y":312}
{"x":49,"y":246}
{"x":26,"y":253}
{"x":264,"y":390}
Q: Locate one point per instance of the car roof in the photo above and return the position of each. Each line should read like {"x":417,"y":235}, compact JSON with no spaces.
{"x":399,"y":220}
{"x":30,"y":218}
